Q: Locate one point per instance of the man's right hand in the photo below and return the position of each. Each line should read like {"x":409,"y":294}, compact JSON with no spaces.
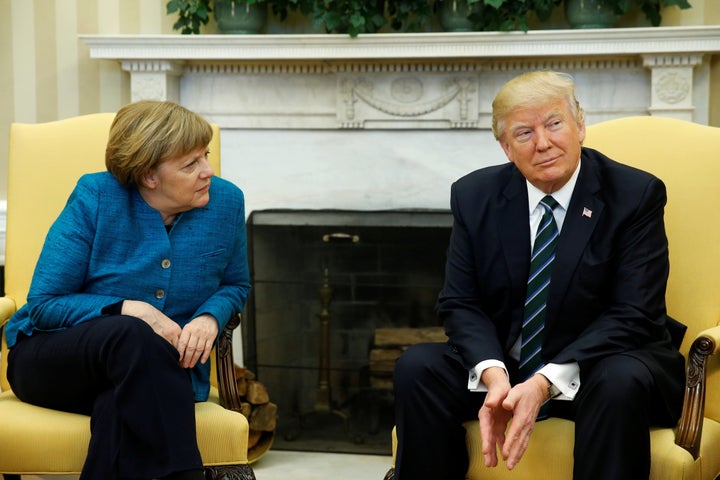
{"x":158,"y":321}
{"x":493,"y":418}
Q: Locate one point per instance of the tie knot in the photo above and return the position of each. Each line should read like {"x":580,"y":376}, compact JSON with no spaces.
{"x":549,"y":202}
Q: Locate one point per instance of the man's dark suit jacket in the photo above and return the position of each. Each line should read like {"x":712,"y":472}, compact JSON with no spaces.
{"x":607,"y":292}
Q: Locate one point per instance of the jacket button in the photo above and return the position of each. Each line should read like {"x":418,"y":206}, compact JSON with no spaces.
{"x":159,"y":293}
{"x":165,"y":263}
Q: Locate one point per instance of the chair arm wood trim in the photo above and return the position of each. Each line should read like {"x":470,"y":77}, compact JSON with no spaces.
{"x":229,"y":472}
{"x":689,"y":431}
{"x":227,"y":382}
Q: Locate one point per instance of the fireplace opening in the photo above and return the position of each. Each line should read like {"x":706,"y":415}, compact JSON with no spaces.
{"x":337,"y":295}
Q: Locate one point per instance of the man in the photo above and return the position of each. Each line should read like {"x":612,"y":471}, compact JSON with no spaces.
{"x":603,"y":350}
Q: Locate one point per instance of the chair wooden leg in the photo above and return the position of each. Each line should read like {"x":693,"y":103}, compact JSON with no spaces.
{"x":390,"y":475}
{"x":229,"y":472}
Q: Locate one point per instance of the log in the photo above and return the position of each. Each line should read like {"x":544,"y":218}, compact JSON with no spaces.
{"x":253,"y":438}
{"x":383,"y":359}
{"x":261,"y":413}
{"x":392,"y":337}
{"x":390,"y":343}
{"x":245,"y":408}
{"x":263,"y":417}
{"x":257,"y":394}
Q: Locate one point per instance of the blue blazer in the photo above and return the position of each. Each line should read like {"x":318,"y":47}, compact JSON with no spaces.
{"x":109,"y":245}
{"x":607,"y":293}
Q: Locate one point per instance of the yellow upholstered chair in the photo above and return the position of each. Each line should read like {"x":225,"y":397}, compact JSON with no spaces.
{"x":45,"y":162}
{"x":686,"y":156}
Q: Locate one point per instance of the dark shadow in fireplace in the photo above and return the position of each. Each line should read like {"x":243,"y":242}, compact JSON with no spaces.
{"x":324,"y":282}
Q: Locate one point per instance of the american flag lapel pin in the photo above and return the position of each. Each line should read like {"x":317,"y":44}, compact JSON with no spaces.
{"x":587,"y":212}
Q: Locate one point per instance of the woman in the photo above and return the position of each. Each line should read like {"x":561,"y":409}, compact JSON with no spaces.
{"x":143,"y":268}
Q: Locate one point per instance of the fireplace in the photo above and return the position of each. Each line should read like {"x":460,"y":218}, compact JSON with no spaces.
{"x":325,"y":282}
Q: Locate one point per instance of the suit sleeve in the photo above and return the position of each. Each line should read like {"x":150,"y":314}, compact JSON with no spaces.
{"x":230,"y":297}
{"x":471,"y":332}
{"x":56,"y":300}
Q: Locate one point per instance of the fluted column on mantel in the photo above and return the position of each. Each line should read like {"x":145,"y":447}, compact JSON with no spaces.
{"x":672,"y":84}
{"x":154,"y":79}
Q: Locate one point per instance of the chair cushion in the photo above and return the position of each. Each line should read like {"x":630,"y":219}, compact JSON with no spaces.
{"x":549,"y":459}
{"x":545,"y":458}
{"x":25,"y":429}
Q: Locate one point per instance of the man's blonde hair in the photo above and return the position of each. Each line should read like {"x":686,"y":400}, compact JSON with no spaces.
{"x":531,"y":90}
{"x":146,"y":132}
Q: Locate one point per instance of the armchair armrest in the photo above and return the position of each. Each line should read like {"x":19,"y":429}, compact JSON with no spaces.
{"x":689,"y":431}
{"x":7,"y":308}
{"x":227,"y":382}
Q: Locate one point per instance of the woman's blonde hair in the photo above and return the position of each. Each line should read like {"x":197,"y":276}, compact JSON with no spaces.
{"x":532,"y":90}
{"x":147,"y":132}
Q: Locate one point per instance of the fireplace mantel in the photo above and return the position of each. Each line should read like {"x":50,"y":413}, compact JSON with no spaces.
{"x":408,"y":81}
{"x":388,"y":121}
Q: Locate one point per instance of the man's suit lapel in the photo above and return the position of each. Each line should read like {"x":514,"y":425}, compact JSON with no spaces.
{"x":514,"y":234}
{"x":582,"y":216}
{"x":514,"y":229}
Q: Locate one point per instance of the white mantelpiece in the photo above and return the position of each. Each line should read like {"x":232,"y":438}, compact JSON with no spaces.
{"x":390,"y":120}
{"x":429,"y":80}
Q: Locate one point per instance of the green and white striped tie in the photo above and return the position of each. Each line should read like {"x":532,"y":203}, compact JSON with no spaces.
{"x":537,"y":291}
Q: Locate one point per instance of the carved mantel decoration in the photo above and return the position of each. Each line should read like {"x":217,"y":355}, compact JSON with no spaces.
{"x":431,"y":80}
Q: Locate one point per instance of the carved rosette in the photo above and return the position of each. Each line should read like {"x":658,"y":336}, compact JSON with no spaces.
{"x":673,"y":87}
{"x":672,"y":84}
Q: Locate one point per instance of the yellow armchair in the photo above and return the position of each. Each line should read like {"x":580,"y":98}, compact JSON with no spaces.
{"x":45,"y":161}
{"x":686,"y":157}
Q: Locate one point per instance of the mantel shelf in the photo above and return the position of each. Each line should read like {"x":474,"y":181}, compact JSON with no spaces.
{"x":406,"y":81}
{"x":535,"y":43}
{"x":386,"y":121}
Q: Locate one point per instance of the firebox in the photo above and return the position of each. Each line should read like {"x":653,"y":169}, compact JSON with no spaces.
{"x":337,"y":295}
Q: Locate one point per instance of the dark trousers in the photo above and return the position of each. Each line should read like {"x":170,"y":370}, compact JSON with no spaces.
{"x":119,"y":371}
{"x":613,"y":411}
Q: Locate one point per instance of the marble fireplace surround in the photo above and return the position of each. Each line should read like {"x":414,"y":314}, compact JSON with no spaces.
{"x":388,"y":121}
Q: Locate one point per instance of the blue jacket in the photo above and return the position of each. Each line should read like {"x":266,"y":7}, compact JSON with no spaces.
{"x":109,"y":245}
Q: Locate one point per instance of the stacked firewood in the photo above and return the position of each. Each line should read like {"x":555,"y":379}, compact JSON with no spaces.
{"x":256,"y":406}
{"x":389,"y":344}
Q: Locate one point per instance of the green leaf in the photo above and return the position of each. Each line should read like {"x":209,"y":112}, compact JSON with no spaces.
{"x":172,"y":6}
{"x":494,"y":3}
{"x":357,"y":21}
{"x":652,"y":12}
{"x":677,"y":3}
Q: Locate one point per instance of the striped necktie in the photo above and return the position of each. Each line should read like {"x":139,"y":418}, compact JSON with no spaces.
{"x":537,"y":291}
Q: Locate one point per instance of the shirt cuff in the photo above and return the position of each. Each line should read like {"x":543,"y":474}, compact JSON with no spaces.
{"x":566,"y":377}
{"x":474,"y":382}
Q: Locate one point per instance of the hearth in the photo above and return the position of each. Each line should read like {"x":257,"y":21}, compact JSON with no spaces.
{"x":329,"y":288}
